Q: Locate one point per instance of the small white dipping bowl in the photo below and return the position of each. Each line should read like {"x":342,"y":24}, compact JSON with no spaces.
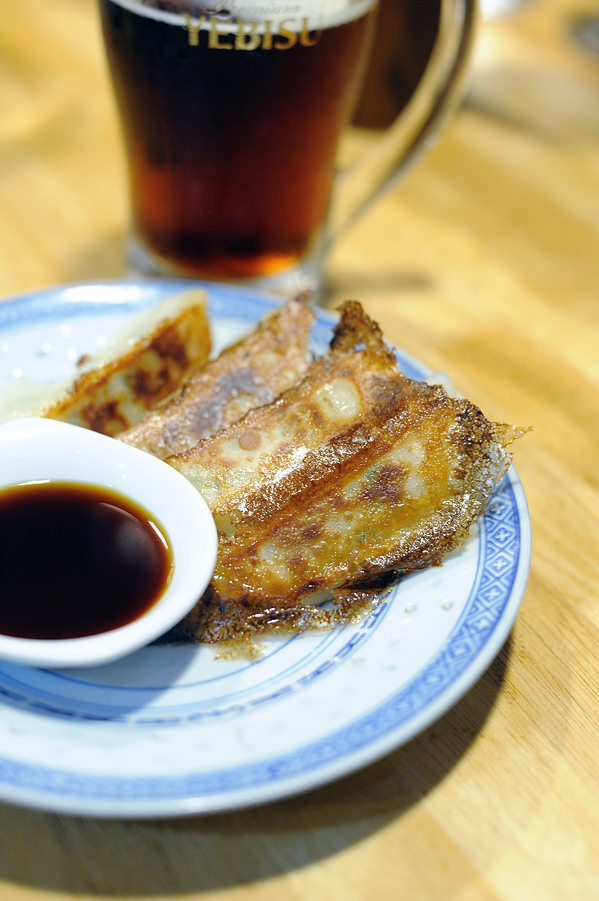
{"x":39,"y":450}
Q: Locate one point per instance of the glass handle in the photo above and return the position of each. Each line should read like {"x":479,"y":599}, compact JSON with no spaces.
{"x":357,"y":187}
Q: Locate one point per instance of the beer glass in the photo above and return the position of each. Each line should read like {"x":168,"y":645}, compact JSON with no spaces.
{"x":231,"y":116}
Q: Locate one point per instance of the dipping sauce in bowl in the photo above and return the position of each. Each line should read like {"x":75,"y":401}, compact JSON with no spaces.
{"x":104,"y":548}
{"x":82,"y":560}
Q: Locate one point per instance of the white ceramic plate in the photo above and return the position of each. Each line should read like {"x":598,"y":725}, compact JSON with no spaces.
{"x":175,"y":730}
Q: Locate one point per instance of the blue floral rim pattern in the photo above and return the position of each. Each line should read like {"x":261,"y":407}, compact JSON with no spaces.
{"x":478,"y":634}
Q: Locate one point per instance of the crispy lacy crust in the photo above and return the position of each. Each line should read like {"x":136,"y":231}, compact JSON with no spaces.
{"x":250,"y":373}
{"x":355,"y":473}
{"x":161,"y":347}
{"x":270,"y":441}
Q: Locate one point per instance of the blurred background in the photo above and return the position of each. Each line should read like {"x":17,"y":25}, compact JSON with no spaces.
{"x":547,"y":88}
{"x":533,"y":86}
{"x":484,"y":263}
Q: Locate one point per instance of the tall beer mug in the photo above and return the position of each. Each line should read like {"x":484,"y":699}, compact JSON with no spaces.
{"x":231,"y":118}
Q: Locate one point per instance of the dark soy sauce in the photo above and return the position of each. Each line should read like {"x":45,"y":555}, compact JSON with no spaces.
{"x":76,"y":560}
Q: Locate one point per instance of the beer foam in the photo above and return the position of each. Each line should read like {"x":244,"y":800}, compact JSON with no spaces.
{"x":319,"y":13}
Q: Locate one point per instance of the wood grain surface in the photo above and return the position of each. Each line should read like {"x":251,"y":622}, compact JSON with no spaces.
{"x":483,"y":263}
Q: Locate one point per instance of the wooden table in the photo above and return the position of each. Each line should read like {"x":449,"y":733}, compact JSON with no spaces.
{"x":484,"y":263}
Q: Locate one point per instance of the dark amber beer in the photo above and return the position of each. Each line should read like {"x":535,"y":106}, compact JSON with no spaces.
{"x":231,"y":120}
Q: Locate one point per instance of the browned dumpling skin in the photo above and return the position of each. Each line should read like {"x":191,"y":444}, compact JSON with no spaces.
{"x":251,"y":372}
{"x":353,"y":473}
{"x":161,"y":348}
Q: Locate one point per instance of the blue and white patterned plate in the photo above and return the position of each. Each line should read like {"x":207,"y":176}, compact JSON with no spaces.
{"x":176,"y":730}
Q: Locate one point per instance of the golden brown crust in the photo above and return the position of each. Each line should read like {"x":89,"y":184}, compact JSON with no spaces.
{"x":250,"y":373}
{"x":355,"y":327}
{"x":114,"y":395}
{"x":388,"y":495}
{"x":337,"y":389}
{"x":353,"y":474}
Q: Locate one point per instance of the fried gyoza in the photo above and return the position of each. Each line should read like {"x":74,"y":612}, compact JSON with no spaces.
{"x":143,"y":365}
{"x":355,"y":472}
{"x":247,"y":374}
